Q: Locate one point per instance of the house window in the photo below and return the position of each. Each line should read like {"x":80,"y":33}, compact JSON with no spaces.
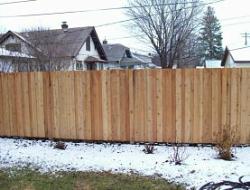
{"x":79,"y":65}
{"x":13,"y":47}
{"x":88,"y":44}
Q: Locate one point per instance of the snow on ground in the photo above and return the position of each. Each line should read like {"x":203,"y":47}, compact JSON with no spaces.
{"x":200,"y":167}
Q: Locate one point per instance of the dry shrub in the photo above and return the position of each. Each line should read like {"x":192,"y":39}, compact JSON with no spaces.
{"x":149,"y":149}
{"x":60,"y":145}
{"x":224,"y":146}
{"x":179,"y":154}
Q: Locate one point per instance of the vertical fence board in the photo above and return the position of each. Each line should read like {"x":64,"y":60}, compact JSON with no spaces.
{"x":79,"y":86}
{"x":173,"y":102}
{"x":18,"y":102}
{"x":12,"y":104}
{"x":97,"y":105}
{"x":124,"y":106}
{"x":233,"y":102}
{"x":198,"y":106}
{"x":47,"y":97}
{"x":5,"y":106}
{"x":216,"y":104}
{"x":88,"y":108}
{"x":71,"y":102}
{"x":32,"y":103}
{"x":168,"y":130}
{"x":25,"y":104}
{"x":247,"y":126}
{"x":1,"y":107}
{"x":159,"y":102}
{"x":40,"y":106}
{"x":207,"y":106}
{"x":238,"y":123}
{"x":56,"y":126}
{"x":115,"y":104}
{"x":131,"y":105}
{"x":188,"y":99}
{"x":149,"y":108}
{"x":178,"y":105}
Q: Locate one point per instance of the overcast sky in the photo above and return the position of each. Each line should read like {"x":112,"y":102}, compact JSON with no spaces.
{"x":226,"y":11}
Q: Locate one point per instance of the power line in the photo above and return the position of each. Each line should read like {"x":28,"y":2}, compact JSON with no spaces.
{"x":16,"y":2}
{"x":96,"y":10}
{"x":234,"y":24}
{"x":240,"y":48}
{"x":123,"y":21}
{"x":234,"y":18}
{"x":125,"y":37}
{"x":136,"y":18}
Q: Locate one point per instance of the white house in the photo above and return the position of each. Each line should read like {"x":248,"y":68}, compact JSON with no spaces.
{"x":120,"y":57}
{"x":67,"y":48}
{"x":238,"y":58}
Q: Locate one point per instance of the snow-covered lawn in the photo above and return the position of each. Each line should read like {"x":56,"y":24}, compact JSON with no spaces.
{"x":200,"y":167}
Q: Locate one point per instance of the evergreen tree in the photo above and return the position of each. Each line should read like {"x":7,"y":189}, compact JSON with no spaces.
{"x":211,"y":36}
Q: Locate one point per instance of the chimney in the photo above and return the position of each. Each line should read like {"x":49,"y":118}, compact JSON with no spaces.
{"x":65,"y":26}
{"x":105,"y":42}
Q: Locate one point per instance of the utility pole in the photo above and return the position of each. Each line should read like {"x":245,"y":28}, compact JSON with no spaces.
{"x":246,"y":35}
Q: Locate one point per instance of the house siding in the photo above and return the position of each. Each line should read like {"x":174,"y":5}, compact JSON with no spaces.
{"x":83,"y":54}
{"x":230,"y":63}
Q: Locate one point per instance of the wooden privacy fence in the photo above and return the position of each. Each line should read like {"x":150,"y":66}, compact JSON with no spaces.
{"x":189,"y":106}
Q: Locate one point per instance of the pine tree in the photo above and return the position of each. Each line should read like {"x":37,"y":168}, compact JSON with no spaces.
{"x":211,"y":36}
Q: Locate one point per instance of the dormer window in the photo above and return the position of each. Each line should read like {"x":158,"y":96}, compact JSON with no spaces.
{"x":88,"y":44}
{"x":13,"y":47}
{"x":128,"y":53}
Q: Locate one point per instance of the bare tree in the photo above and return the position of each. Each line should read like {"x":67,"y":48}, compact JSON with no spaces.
{"x":168,"y":25}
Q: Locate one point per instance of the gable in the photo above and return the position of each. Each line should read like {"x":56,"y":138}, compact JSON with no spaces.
{"x":12,"y":39}
{"x":84,"y":53}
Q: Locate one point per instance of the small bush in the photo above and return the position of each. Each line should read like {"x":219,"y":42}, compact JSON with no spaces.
{"x":149,"y":149}
{"x":224,"y":146}
{"x":178,"y":155}
{"x":60,"y":145}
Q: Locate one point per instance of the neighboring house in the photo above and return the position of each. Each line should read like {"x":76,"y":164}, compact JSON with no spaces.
{"x":213,"y":64}
{"x":210,"y":64}
{"x":120,"y":57}
{"x":239,"y":58}
{"x":60,"y":49}
{"x":10,"y":61}
{"x":147,"y":59}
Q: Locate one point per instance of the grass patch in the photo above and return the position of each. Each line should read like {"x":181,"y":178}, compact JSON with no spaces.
{"x":31,"y":180}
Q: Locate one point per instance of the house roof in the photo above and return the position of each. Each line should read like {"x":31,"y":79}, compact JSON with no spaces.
{"x":114,"y":52}
{"x":91,"y":59}
{"x":241,"y":55}
{"x":63,"y":43}
{"x":132,"y":60}
{"x":117,"y":53}
{"x":143,"y":58}
{"x":6,"y":53}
